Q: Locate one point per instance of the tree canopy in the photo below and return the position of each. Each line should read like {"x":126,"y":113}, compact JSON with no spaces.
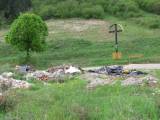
{"x":28,"y":33}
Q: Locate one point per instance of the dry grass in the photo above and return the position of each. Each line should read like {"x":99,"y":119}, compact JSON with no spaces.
{"x":95,"y":30}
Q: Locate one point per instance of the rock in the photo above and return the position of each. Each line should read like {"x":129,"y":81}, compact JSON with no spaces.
{"x":36,"y":75}
{"x":149,"y":80}
{"x":7,"y":83}
{"x":136,"y":73}
{"x":57,"y":74}
{"x":132,"y":81}
{"x":72,"y":70}
{"x":7,"y":74}
{"x":20,"y":84}
{"x":95,"y":79}
{"x":57,"y":68}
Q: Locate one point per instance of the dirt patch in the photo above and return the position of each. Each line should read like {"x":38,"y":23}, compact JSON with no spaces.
{"x":88,"y":29}
{"x":77,"y":25}
{"x":95,"y":79}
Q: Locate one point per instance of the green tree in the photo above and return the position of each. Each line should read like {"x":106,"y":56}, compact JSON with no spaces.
{"x":28,"y":33}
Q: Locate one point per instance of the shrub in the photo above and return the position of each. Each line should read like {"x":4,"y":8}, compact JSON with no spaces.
{"x":7,"y":101}
{"x":124,"y":8}
{"x":68,"y":9}
{"x":93,"y":12}
{"x":86,"y":8}
{"x":27,"y":33}
{"x":47,"y":12}
{"x":149,"y":5}
{"x":104,"y":3}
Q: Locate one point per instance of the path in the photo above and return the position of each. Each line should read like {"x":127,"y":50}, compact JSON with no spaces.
{"x":135,"y":66}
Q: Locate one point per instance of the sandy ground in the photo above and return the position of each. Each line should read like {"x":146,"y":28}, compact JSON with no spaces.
{"x":134,"y":66}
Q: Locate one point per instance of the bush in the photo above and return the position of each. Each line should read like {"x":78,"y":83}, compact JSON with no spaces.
{"x":93,"y":12}
{"x":68,"y":9}
{"x":86,"y":8}
{"x":104,"y":3}
{"x":149,"y":5}
{"x":47,"y":12}
{"x":124,"y":8}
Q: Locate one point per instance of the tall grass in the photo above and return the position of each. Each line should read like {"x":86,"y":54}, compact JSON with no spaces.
{"x":72,"y":101}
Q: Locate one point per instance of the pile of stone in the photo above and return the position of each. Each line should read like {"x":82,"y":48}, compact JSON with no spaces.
{"x":95,"y":77}
{"x":7,"y":82}
{"x":59,"y":73}
{"x":148,"y":80}
{"x":111,"y":74}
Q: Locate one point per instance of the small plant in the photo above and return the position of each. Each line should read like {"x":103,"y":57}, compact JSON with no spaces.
{"x":93,"y":12}
{"x":7,"y":101}
{"x":28,"y":33}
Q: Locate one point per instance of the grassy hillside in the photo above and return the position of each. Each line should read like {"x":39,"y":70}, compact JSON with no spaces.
{"x":88,"y":43}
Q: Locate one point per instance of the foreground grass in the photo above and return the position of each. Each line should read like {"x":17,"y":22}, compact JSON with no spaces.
{"x":72,"y":101}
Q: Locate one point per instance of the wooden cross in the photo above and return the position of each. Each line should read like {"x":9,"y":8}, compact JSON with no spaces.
{"x":116,"y":31}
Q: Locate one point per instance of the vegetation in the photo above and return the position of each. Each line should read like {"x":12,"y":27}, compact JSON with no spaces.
{"x":64,"y":44}
{"x":152,"y":6}
{"x":80,"y":42}
{"x":79,"y":8}
{"x":10,"y":9}
{"x":28,"y":33}
{"x":72,"y":101}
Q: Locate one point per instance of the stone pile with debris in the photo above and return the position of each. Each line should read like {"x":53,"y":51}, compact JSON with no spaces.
{"x":58,"y":74}
{"x":117,"y":70}
{"x":7,"y":81}
{"x":148,"y":80}
{"x":102,"y":76}
{"x":111,"y":74}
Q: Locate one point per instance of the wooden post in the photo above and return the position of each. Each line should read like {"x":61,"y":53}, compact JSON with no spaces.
{"x":117,"y":54}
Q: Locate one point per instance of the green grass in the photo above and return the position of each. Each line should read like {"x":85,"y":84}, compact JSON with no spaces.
{"x":88,"y":43}
{"x":86,"y":53}
{"x":72,"y":101}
